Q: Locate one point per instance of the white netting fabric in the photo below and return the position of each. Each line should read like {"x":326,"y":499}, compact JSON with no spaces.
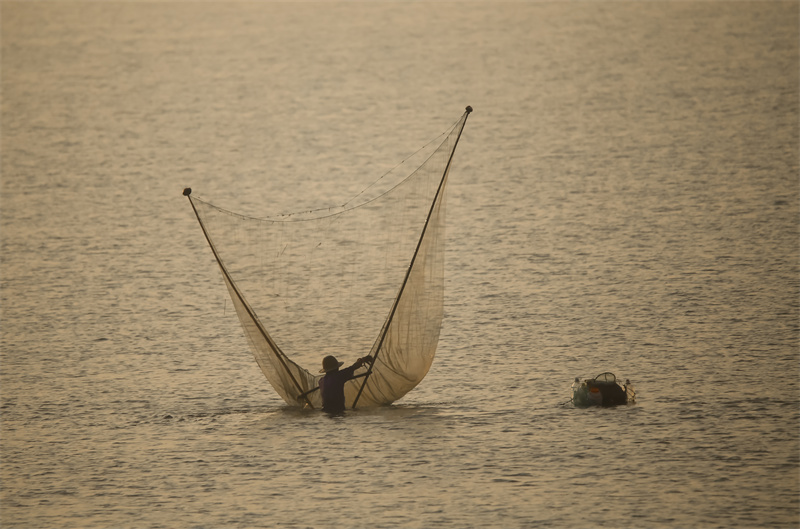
{"x":327,"y":282}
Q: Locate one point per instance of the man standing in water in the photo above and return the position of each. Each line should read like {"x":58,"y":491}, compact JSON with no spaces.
{"x":331,"y":385}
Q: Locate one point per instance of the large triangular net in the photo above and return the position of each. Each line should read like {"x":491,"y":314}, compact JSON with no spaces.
{"x":362,"y":278}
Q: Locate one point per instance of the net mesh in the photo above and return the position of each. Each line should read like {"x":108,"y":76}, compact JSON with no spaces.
{"x":362,"y":278}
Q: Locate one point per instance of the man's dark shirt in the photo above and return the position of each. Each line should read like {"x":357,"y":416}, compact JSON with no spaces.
{"x":332,"y":388}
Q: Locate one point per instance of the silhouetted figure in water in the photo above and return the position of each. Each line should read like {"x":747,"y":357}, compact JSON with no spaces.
{"x":331,"y":386}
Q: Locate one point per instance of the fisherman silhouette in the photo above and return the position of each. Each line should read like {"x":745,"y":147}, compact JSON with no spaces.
{"x":332,"y":384}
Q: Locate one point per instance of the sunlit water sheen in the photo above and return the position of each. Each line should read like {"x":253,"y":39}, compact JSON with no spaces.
{"x":624,"y":198}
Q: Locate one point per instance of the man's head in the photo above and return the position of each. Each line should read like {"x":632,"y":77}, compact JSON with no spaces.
{"x":329,"y":363}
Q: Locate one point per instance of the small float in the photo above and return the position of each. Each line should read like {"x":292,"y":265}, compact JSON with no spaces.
{"x":602,"y":390}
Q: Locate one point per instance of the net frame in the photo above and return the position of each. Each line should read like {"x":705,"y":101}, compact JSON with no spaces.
{"x":406,"y":344}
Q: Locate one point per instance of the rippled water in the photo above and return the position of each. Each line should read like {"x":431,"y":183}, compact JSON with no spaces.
{"x":624,"y":198}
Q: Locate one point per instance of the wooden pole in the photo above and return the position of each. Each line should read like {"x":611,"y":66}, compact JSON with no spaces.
{"x":187,"y":193}
{"x":413,"y":259}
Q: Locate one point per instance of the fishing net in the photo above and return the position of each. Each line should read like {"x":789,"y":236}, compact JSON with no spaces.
{"x":365,"y":277}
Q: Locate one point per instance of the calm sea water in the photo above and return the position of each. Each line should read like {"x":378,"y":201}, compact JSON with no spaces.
{"x":624,"y":198}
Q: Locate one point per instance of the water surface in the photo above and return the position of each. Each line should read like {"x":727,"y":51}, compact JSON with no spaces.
{"x":624,"y":198}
